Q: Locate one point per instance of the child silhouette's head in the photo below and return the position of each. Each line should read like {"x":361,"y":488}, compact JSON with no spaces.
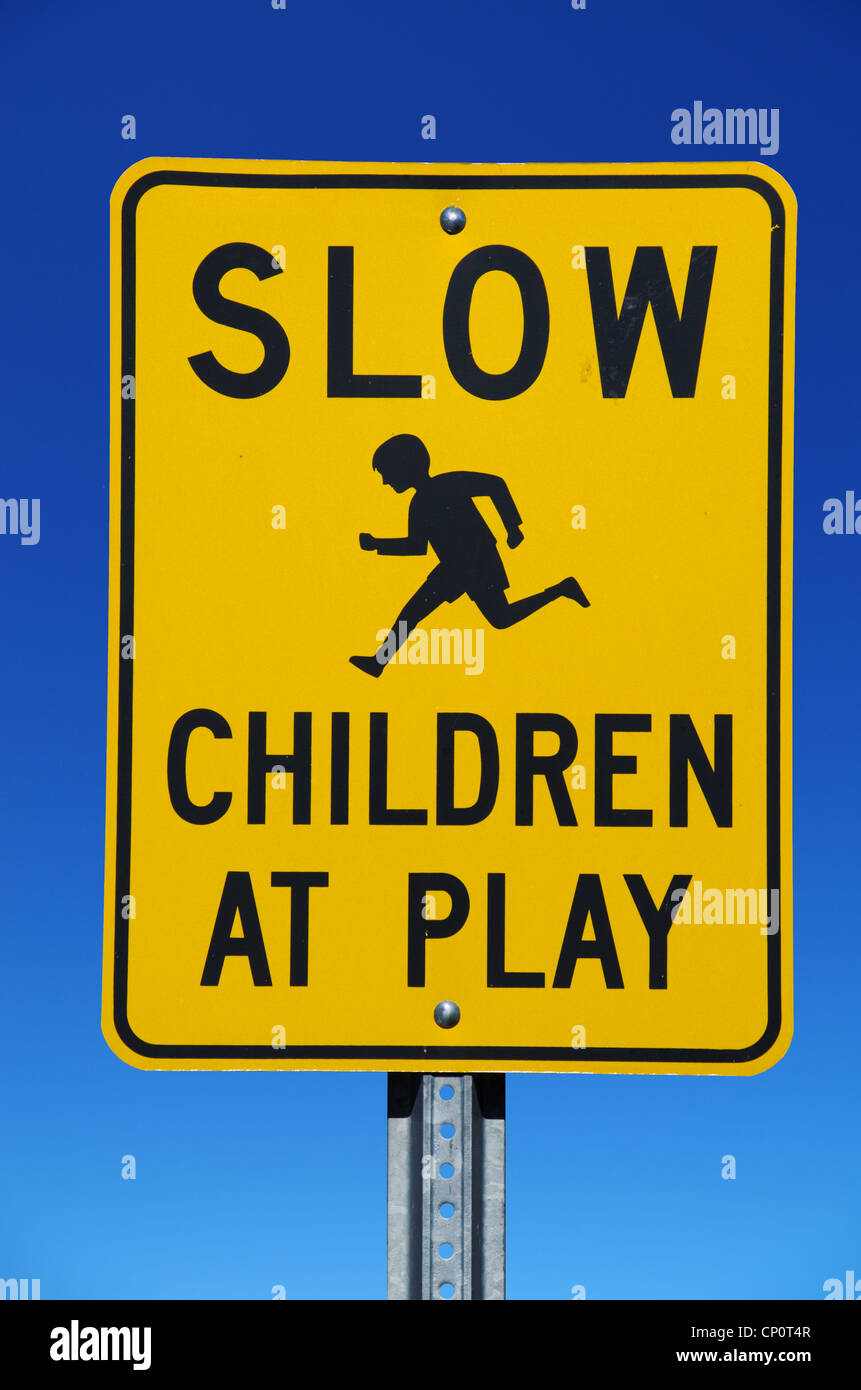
{"x":402,"y":462}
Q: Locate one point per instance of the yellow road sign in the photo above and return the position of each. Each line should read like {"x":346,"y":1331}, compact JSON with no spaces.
{"x":450,"y":617}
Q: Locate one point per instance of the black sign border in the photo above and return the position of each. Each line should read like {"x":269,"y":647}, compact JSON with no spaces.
{"x":452,"y":185}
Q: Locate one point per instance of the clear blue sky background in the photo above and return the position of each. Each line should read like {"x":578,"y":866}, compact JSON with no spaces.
{"x":244,"y":1180}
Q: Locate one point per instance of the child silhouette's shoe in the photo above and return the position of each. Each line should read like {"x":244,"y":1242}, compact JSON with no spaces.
{"x":369,"y":664}
{"x":571,"y":589}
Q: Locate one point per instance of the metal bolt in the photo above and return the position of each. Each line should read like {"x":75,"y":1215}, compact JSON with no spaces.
{"x":452,"y":220}
{"x":446,"y":1014}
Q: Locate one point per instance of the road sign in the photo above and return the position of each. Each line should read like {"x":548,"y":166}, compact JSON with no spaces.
{"x":450,"y":616}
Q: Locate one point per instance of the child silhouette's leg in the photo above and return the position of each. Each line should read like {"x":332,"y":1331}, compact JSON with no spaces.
{"x":423,"y":602}
{"x":495,"y":607}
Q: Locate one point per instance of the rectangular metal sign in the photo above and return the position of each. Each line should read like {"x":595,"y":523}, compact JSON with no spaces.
{"x":450,"y":617}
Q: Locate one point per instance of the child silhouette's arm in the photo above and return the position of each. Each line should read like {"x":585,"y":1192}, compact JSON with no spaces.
{"x":489,"y":485}
{"x":414,"y":543}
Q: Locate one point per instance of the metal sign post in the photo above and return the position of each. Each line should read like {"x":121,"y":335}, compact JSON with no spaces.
{"x":446,"y":1186}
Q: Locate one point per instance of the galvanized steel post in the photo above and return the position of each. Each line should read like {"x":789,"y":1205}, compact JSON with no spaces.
{"x":446,"y":1188}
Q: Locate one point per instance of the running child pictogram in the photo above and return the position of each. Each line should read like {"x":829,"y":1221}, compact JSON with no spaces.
{"x":443,"y":515}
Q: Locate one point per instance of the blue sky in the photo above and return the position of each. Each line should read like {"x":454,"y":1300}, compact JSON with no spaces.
{"x":247,"y":1181}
